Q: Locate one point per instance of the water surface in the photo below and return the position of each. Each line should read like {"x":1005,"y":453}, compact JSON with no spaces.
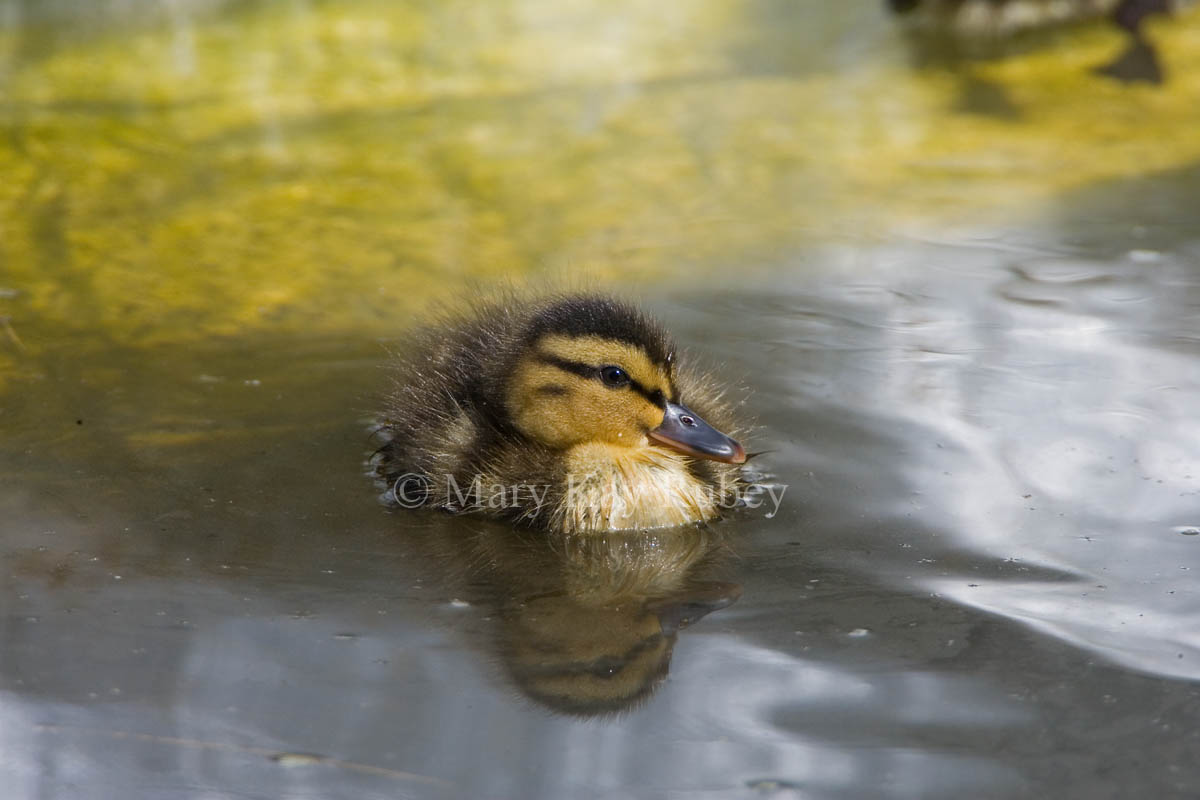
{"x":971,"y":344}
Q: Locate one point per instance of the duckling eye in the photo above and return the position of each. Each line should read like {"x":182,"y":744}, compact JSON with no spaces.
{"x":614,"y":376}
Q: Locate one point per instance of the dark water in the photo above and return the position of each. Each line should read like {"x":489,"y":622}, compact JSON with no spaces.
{"x":971,"y":341}
{"x":980,"y":581}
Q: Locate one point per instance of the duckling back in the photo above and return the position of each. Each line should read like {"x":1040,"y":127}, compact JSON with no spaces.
{"x":441,"y":412}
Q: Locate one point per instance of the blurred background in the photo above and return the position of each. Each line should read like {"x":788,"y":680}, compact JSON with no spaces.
{"x":186,"y":168}
{"x":959,"y":272}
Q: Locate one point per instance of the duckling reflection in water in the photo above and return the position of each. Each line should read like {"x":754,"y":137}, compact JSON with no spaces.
{"x":980,"y":28}
{"x":584,"y":624}
{"x":577,"y":407}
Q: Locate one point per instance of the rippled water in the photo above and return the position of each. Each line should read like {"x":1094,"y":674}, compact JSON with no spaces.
{"x":980,"y":581}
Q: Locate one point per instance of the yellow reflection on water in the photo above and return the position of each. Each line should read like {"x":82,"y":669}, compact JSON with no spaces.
{"x":328,"y":166}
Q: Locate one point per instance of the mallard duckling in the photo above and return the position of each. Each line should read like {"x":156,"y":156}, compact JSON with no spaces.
{"x":571,"y":413}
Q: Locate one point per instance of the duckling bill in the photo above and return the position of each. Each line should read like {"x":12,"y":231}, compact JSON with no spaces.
{"x":571,"y":413}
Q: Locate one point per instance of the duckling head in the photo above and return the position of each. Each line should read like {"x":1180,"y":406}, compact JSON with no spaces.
{"x":595,"y":370}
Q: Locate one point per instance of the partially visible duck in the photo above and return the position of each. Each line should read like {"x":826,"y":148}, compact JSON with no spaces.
{"x":980,"y":26}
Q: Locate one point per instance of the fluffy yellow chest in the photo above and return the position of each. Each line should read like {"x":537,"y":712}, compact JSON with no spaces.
{"x":613,"y":488}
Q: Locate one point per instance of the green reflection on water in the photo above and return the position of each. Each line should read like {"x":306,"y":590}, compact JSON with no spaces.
{"x":212,"y":168}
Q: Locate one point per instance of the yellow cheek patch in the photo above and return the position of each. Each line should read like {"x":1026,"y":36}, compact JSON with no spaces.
{"x":538,"y":397}
{"x":651,"y":415}
{"x":561,"y":408}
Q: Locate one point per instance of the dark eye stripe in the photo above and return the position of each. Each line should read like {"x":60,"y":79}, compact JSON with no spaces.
{"x":574,"y":367}
{"x":655,"y":397}
{"x":588,"y":371}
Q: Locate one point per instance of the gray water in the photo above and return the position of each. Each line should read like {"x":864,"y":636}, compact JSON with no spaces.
{"x":975,"y":380}
{"x":980,"y":580}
